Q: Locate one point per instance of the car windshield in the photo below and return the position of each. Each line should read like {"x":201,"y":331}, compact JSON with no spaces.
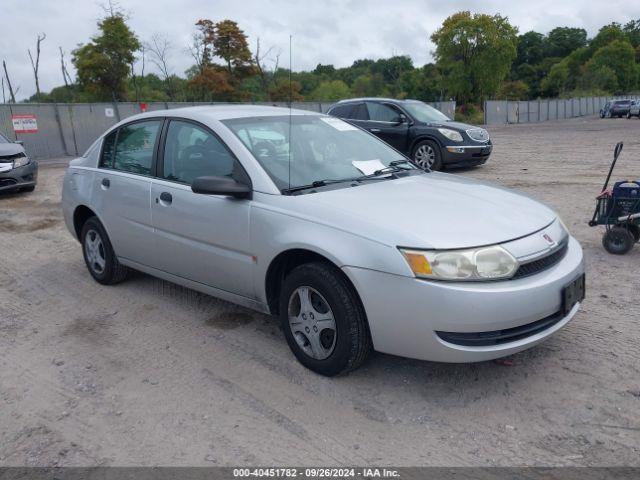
{"x":299,"y":150}
{"x":424,"y":113}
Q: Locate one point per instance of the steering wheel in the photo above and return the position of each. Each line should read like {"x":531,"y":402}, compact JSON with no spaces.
{"x":264,"y":149}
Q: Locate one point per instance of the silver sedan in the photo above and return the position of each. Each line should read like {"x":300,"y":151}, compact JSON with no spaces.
{"x":309,"y":218}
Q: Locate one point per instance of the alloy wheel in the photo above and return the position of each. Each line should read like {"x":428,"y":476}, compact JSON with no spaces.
{"x":425,"y":157}
{"x":312,"y":322}
{"x":94,"y":250}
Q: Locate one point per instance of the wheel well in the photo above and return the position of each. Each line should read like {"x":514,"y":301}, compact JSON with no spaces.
{"x":421,"y":139}
{"x":80,"y":216}
{"x":282,"y":265}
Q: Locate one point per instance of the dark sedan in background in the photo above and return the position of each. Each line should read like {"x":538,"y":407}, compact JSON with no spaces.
{"x":615,"y":108}
{"x":17,"y":170}
{"x":424,"y":134}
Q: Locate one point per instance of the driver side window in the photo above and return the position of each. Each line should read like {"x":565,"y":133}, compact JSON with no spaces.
{"x":191,"y":151}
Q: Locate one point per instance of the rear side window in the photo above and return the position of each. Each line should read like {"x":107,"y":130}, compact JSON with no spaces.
{"x":108,"y":144}
{"x":134,"y":147}
{"x":380,"y":112}
{"x":359,"y":112}
{"x":341,"y":111}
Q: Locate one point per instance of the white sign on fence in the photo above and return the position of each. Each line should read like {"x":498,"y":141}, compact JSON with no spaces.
{"x":108,"y":112}
{"x":24,"y":123}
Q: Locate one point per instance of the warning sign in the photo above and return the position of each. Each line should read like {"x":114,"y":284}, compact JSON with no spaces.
{"x":24,"y":123}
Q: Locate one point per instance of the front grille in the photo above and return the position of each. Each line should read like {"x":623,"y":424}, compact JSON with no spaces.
{"x":478,"y":134}
{"x":498,"y":337}
{"x":7,"y":182}
{"x":541,"y":264}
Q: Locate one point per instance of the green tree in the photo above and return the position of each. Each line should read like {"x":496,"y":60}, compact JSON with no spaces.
{"x":103,"y":65}
{"x":331,"y":91}
{"x":555,"y":83}
{"x":531,"y":48}
{"x":606,"y":35}
{"x":632,"y":31}
{"x":230,"y":43}
{"x":619,"y":57}
{"x":513,"y":90}
{"x":474,"y":53}
{"x":561,"y":41}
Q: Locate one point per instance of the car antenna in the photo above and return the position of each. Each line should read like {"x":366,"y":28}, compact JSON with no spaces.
{"x":290,"y":104}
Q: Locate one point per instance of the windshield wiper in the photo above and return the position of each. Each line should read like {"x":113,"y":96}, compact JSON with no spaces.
{"x":394,"y":167}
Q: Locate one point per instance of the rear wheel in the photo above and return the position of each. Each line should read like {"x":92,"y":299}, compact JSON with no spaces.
{"x":427,"y":155}
{"x":99,"y":256}
{"x":323,"y":320}
{"x":618,"y":240}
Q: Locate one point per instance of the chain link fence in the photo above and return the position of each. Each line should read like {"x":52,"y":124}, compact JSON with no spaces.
{"x":69,"y":129}
{"x":498,"y":112}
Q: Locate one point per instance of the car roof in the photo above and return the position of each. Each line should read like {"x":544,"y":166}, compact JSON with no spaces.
{"x":222,"y":112}
{"x":378,"y":99}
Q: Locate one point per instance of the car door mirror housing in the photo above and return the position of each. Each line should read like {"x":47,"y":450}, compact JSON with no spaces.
{"x":402,"y":118}
{"x":212,"y":185}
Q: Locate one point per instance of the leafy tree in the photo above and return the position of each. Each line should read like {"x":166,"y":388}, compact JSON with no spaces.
{"x":230,"y":44}
{"x":331,"y":91}
{"x":531,"y":48}
{"x":561,"y":41}
{"x":280,"y":91}
{"x":606,"y":35}
{"x":513,"y":90}
{"x":632,"y":31}
{"x":618,"y":57}
{"x":475,"y":53}
{"x":103,"y":64}
{"x":368,"y":85}
{"x":556,"y":82}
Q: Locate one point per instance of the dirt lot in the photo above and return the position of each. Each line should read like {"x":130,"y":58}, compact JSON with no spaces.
{"x":148,"y":373}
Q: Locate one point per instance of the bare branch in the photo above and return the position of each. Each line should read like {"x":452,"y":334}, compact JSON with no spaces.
{"x":12,"y":95}
{"x":35,"y":65}
{"x":159,"y":50}
{"x":65,"y":73}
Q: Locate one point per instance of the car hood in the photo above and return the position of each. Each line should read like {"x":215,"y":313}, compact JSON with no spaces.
{"x":432,"y":210}
{"x":7,"y":149}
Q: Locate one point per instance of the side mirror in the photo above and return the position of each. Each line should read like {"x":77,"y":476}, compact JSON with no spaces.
{"x":402,"y":118}
{"x":19,"y":142}
{"x":220,"y":186}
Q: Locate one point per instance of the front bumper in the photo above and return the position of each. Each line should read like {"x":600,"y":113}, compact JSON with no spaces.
{"x":465,"y":155}
{"x":21,"y":177}
{"x":405,"y":313}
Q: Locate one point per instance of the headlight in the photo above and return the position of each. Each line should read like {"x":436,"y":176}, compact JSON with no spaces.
{"x":21,"y":161}
{"x":451,"y":134}
{"x":486,"y":263}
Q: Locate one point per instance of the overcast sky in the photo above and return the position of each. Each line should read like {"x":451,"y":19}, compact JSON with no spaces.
{"x":327,"y":31}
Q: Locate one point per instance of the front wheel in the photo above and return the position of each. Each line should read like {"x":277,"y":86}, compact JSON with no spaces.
{"x":323,"y":320}
{"x":427,"y":155}
{"x":99,"y":256}
{"x":628,"y":116}
{"x":618,"y":240}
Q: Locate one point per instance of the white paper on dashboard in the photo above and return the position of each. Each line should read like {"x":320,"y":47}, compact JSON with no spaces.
{"x":338,"y":124}
{"x":367,"y":167}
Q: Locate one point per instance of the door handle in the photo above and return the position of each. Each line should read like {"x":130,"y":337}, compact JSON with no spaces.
{"x":374,"y":130}
{"x":166,"y":198}
{"x":106,"y":183}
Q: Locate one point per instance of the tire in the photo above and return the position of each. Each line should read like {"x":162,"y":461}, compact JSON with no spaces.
{"x":98,"y":253}
{"x":427,"y":155}
{"x":618,"y":241}
{"x":628,"y":116}
{"x":325,"y":346}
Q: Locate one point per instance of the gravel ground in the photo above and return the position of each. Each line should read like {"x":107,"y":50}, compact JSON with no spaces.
{"x":149,"y":373}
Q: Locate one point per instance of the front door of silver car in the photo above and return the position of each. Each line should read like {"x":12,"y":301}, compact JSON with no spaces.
{"x":204,"y":238}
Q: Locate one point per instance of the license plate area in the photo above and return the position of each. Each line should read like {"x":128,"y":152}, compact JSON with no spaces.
{"x":573,"y":293}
